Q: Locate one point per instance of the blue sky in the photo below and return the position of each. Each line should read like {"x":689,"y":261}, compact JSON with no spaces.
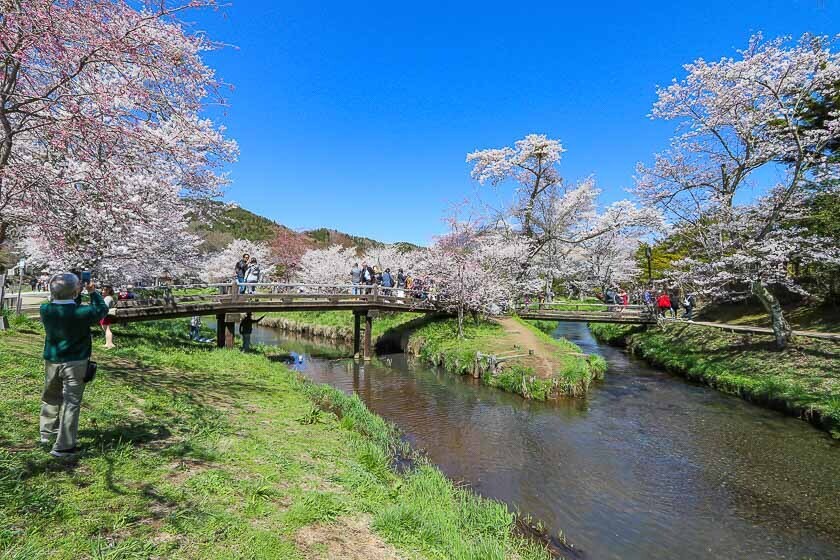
{"x":358,"y":115}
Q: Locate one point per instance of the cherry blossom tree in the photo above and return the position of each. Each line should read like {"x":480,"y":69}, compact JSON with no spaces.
{"x":287,"y":249}
{"x":327,"y":266}
{"x":220,"y":267}
{"x":475,"y":271}
{"x":568,"y":230}
{"x":532,"y":163}
{"x":100,"y":121}
{"x":743,"y":120}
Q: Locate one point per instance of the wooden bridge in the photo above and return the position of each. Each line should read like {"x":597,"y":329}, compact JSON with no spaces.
{"x":227,"y":304}
{"x":588,"y":312}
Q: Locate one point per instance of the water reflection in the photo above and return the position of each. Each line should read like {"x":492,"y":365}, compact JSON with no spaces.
{"x":648,"y":466}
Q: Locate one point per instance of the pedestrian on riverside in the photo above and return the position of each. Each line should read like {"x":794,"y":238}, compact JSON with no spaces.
{"x":663,"y":303}
{"x":33,"y":282}
{"x":67,"y":349}
{"x":356,"y":278}
{"x":240,"y":269}
{"x":195,"y":328}
{"x":674,"y":297}
{"x":252,"y":275}
{"x":246,"y":327}
{"x":111,"y":301}
{"x":688,"y":303}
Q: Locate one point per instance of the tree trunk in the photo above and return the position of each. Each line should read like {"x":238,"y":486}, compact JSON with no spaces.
{"x":460,"y":322}
{"x":781,"y":328}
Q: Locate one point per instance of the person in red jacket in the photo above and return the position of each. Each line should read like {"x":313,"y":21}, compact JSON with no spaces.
{"x":663,"y":303}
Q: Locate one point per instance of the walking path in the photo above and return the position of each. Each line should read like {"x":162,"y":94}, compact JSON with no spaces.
{"x":547,"y":358}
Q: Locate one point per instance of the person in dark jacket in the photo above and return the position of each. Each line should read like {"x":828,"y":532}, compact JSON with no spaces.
{"x":387,"y":281}
{"x":246,"y":327}
{"x":674,"y":296}
{"x":240,"y":269}
{"x":67,"y":348}
{"x":689,"y":303}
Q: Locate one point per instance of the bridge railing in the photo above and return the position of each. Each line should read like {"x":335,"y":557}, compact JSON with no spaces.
{"x":234,"y":293}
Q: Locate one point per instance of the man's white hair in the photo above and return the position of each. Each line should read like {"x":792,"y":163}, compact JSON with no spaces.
{"x":64,"y":285}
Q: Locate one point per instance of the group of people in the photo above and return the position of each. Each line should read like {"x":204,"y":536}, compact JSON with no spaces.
{"x":400,"y":285}
{"x":666,"y":302}
{"x":247,"y":272}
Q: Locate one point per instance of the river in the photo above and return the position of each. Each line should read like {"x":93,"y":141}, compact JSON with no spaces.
{"x":648,"y":466}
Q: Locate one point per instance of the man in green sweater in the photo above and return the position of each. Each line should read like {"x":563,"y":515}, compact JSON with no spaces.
{"x":67,"y":348}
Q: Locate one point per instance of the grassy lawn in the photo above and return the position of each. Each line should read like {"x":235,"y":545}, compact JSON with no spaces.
{"x":804,"y":379}
{"x":192,"y":452}
{"x":438,"y":343}
{"x":824,"y":318}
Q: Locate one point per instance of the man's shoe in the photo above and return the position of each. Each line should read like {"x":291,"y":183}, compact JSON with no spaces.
{"x":65,"y":452}
{"x":45,"y":440}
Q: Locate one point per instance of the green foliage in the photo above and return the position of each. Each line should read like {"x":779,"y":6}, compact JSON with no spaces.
{"x":192,"y":452}
{"x":233,"y":223}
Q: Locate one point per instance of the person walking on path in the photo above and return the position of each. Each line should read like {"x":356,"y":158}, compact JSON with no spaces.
{"x":674,"y":296}
{"x":355,"y":278}
{"x":663,"y":303}
{"x":67,"y":349}
{"x":246,"y":327}
{"x":252,"y":275}
{"x":240,"y":269}
{"x":688,"y":303}
{"x":105,"y":322}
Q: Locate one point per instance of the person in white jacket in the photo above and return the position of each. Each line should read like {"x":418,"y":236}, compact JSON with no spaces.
{"x":252,"y":275}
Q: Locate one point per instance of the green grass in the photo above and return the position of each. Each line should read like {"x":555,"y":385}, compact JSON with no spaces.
{"x":803,"y":380}
{"x":192,"y":452}
{"x":438,"y":343}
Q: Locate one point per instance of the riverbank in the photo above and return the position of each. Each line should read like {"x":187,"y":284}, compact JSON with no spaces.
{"x":192,"y":452}
{"x":556,"y":367}
{"x":802,"y":380}
{"x":333,"y":325}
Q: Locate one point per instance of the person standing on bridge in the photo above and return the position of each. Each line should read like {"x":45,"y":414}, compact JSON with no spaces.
{"x":356,"y":278}
{"x":240,"y":269}
{"x":252,"y":275}
{"x":387,"y":281}
{"x":368,"y":276}
{"x":246,"y":327}
{"x":67,"y":349}
{"x":401,"y":278}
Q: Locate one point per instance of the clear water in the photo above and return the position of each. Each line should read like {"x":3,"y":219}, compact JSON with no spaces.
{"x":648,"y":466}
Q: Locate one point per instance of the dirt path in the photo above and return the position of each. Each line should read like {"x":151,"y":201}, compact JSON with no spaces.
{"x":545,"y":360}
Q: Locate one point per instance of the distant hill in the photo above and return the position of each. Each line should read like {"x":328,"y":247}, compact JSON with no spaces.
{"x":228,"y":223}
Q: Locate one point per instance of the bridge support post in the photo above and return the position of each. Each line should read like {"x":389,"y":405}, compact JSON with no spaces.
{"x":220,"y":330}
{"x":226,"y":329}
{"x":357,"y":334}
